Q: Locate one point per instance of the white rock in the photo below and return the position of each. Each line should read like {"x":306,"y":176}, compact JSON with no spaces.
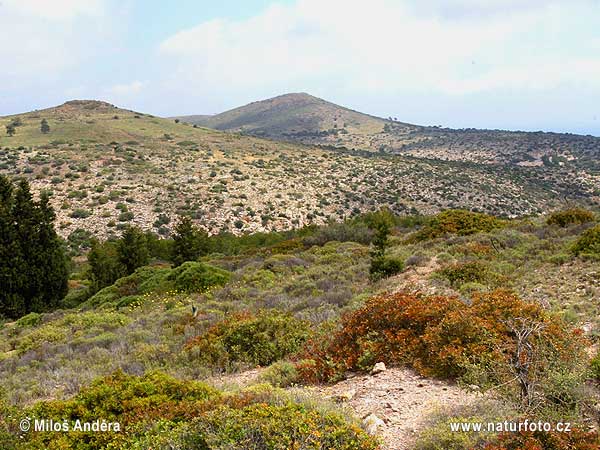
{"x":378,"y":368}
{"x":372,"y":423}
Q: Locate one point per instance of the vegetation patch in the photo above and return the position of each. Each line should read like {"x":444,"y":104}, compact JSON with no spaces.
{"x":157,"y":411}
{"x":444,"y":337}
{"x":570,"y":216}
{"x":259,"y":339}
{"x":588,"y":244}
{"x":459,"y":222}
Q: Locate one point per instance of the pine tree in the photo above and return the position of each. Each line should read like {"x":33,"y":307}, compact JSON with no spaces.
{"x":10,"y":129}
{"x":44,"y":127}
{"x":190,"y":243}
{"x":132,"y":249}
{"x":33,"y":265}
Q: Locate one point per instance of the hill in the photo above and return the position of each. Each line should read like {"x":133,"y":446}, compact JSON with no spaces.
{"x":310,"y":120}
{"x":107,"y":166}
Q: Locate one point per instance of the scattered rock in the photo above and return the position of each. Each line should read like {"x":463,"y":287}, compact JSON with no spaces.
{"x":378,"y":368}
{"x":372,"y":423}
{"x":345,"y":396}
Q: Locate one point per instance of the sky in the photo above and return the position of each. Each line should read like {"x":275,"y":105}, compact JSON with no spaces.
{"x":499,"y":64}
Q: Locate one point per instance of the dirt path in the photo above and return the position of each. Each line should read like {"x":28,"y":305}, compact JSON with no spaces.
{"x":399,"y":397}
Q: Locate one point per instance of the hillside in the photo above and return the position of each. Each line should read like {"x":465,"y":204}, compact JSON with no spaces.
{"x":310,"y":120}
{"x":143,"y":323}
{"x":107,"y":166}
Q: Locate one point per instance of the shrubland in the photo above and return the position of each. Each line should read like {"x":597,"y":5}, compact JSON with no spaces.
{"x":304,"y":304}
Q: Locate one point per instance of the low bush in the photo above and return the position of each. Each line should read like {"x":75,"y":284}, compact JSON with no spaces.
{"x":157,"y":411}
{"x":570,"y":216}
{"x":456,"y":221}
{"x":197,"y":277}
{"x":576,"y":439}
{"x":443,"y":337}
{"x":588,"y":244}
{"x":465,"y":272}
{"x":280,"y":374}
{"x":259,"y":339}
{"x":383,"y":267}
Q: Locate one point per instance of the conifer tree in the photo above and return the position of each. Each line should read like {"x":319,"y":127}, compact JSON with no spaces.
{"x":33,"y":265}
{"x":190,"y":243}
{"x":44,"y":127}
{"x":132,"y":249}
{"x":10,"y":129}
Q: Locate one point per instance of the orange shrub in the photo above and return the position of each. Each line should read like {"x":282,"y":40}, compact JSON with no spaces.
{"x":438,"y":336}
{"x":541,"y":440}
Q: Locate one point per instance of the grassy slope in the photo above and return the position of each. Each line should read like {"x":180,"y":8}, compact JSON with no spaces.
{"x":317,"y":283}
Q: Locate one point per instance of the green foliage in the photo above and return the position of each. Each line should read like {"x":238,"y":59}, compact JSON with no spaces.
{"x":33,"y":265}
{"x":44,"y":127}
{"x":595,"y":367}
{"x":197,"y":277}
{"x":30,"y":320}
{"x":383,"y":267}
{"x":189,"y":243}
{"x":104,"y":265}
{"x":570,"y":216}
{"x":456,"y":221}
{"x":132,"y":250}
{"x":588,"y":244}
{"x":465,"y":272}
{"x":157,"y":411}
{"x":258,"y":339}
{"x":280,"y":374}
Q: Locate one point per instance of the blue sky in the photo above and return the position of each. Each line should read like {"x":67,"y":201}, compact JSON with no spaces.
{"x":531,"y":65}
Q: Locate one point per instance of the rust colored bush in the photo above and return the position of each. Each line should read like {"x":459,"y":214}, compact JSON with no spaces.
{"x":436,"y":335}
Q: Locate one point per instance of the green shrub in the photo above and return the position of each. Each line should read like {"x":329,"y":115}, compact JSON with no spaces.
{"x":570,"y":216}
{"x":259,"y":339}
{"x":456,"y":221}
{"x":197,"y":277}
{"x":383,"y":267}
{"x":80,"y":214}
{"x":280,"y":374}
{"x":30,"y":320}
{"x":595,"y":367}
{"x":588,"y":244}
{"x":465,"y":272}
{"x":157,"y":411}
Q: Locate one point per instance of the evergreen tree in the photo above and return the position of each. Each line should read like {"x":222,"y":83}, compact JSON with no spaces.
{"x":189,"y":243}
{"x":132,"y":249}
{"x":10,"y":129}
{"x":44,"y":127}
{"x":105,"y":266}
{"x":33,"y":265}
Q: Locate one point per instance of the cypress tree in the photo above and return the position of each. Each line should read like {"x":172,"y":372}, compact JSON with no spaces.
{"x":189,"y":243}
{"x":33,"y":265}
{"x":132,"y":249}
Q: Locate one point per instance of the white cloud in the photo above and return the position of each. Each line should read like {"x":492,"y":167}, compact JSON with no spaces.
{"x":54,"y":9}
{"x":135,"y":87}
{"x":387,"y":46}
{"x":42,"y":39}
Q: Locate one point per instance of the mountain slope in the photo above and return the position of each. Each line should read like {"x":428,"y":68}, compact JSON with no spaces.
{"x":310,"y":120}
{"x":106,"y":167}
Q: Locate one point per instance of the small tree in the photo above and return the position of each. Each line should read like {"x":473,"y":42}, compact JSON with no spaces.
{"x":132,"y":249}
{"x":190,"y":243}
{"x":10,"y":129}
{"x":44,"y":127}
{"x":381,"y":223}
